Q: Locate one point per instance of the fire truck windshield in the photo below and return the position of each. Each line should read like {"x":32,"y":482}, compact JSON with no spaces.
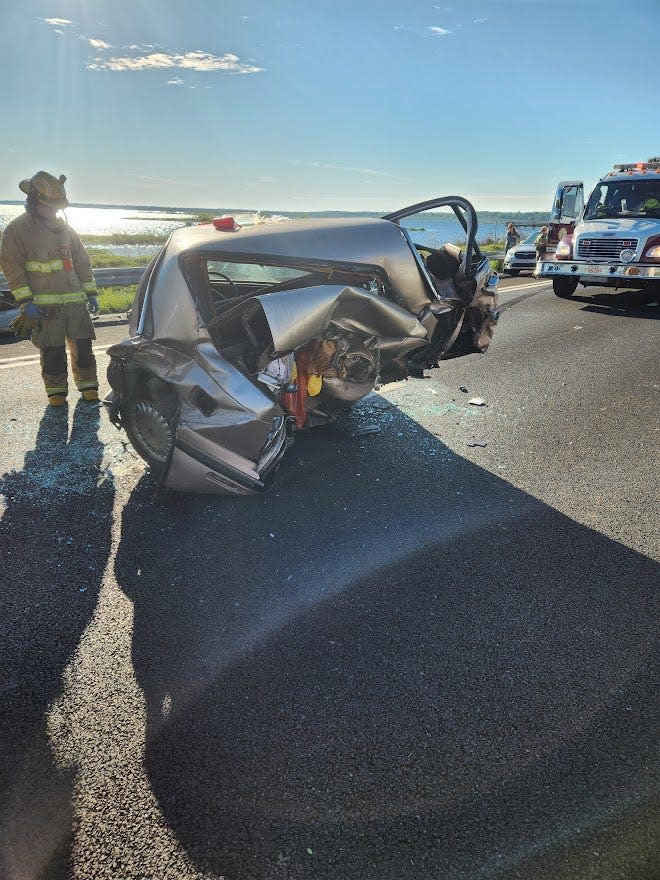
{"x":624,"y":199}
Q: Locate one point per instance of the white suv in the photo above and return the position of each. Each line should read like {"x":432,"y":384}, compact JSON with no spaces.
{"x":521,"y":257}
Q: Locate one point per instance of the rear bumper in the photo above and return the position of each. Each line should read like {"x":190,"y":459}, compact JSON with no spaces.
{"x":198,"y":465}
{"x":191,"y":469}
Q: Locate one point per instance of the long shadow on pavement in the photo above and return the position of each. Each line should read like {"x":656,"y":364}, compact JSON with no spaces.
{"x":394,"y":665}
{"x":55,"y":543}
{"x":622,"y":303}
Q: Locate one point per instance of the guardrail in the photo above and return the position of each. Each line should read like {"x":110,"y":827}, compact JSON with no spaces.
{"x":104,"y":277}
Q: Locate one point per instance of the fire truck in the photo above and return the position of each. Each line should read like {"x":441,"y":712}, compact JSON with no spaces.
{"x":613,"y":240}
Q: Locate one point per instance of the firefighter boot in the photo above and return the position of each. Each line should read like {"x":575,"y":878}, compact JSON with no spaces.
{"x":90,"y":394}
{"x":57,"y":399}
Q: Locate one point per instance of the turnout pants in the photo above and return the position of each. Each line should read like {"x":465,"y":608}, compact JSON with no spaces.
{"x":67,"y":326}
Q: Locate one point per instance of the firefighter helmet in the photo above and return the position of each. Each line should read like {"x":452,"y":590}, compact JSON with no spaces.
{"x":46,"y":188}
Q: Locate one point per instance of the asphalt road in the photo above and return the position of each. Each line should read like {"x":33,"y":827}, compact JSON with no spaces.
{"x":414,"y":658}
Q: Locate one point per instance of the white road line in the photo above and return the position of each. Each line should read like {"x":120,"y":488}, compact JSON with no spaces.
{"x":29,"y":360}
{"x":503,"y":290}
{"x":25,"y":357}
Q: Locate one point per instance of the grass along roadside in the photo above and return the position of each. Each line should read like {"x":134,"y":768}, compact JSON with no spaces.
{"x":104,"y":259}
{"x":116,"y":300}
{"x":119,"y":238}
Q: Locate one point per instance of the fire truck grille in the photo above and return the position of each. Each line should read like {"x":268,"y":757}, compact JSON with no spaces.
{"x":604,"y":248}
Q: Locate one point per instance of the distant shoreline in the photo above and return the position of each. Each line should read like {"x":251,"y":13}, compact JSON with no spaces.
{"x":522,"y":217}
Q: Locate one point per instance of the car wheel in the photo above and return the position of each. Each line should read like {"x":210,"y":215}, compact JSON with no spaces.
{"x":564,"y":287}
{"x":513,"y":272}
{"x":149,"y":424}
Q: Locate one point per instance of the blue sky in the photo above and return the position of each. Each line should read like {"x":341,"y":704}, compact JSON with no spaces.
{"x":325,"y":104}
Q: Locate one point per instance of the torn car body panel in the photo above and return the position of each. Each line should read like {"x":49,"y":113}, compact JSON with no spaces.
{"x":239,"y":338}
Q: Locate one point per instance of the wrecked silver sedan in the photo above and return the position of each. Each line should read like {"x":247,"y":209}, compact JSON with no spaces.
{"x":241,"y":336}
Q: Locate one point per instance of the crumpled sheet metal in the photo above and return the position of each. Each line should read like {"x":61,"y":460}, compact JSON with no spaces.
{"x":481,"y":318}
{"x":238,"y":399}
{"x":296,"y":316}
{"x":160,"y":360}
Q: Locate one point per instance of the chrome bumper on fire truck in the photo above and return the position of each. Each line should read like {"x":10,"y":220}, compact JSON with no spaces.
{"x":597,"y":271}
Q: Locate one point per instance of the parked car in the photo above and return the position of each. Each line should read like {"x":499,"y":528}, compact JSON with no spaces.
{"x":522,"y":257}
{"x":8,"y":311}
{"x":242,"y":336}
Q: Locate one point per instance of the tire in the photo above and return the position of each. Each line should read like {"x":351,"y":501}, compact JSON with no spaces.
{"x":148,"y":420}
{"x":564,"y":286}
{"x":513,"y":272}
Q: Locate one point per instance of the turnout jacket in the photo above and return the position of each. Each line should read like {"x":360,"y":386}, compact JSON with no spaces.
{"x":45,"y":263}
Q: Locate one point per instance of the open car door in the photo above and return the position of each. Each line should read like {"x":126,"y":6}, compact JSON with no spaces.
{"x":466,"y":311}
{"x":471,"y":256}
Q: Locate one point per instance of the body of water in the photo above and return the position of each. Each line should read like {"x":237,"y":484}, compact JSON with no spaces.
{"x":430,"y":229}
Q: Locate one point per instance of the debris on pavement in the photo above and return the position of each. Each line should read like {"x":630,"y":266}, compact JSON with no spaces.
{"x":365,"y":429}
{"x":477,"y":401}
{"x":477,"y":443}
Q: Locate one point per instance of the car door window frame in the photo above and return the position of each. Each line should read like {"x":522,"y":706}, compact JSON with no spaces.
{"x":466,"y":216}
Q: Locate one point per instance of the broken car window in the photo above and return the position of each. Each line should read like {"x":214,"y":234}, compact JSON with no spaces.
{"x":252,"y":273}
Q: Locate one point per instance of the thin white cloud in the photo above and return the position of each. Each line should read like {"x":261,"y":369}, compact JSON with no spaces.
{"x":440,"y":32}
{"x":329,"y":167}
{"x":176,"y":81}
{"x":57,"y":22}
{"x":98,"y":44}
{"x":200,"y":61}
{"x":480,"y":20}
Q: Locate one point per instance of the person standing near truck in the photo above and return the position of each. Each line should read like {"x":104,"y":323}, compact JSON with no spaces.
{"x":541,"y":243}
{"x":49,"y":272}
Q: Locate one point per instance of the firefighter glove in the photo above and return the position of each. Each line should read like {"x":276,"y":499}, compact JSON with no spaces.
{"x":93,"y":303}
{"x":32,"y":311}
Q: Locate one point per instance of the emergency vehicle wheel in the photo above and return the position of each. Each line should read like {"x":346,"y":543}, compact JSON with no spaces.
{"x":513,"y":272}
{"x":564,"y":286}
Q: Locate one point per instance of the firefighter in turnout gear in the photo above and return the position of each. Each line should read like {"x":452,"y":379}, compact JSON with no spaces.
{"x":49,"y":272}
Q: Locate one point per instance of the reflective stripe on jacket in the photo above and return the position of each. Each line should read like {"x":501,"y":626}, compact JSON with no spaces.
{"x":58,"y":299}
{"x":45,"y":263}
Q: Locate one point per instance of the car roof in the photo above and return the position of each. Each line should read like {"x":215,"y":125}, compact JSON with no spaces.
{"x":325,"y":238}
